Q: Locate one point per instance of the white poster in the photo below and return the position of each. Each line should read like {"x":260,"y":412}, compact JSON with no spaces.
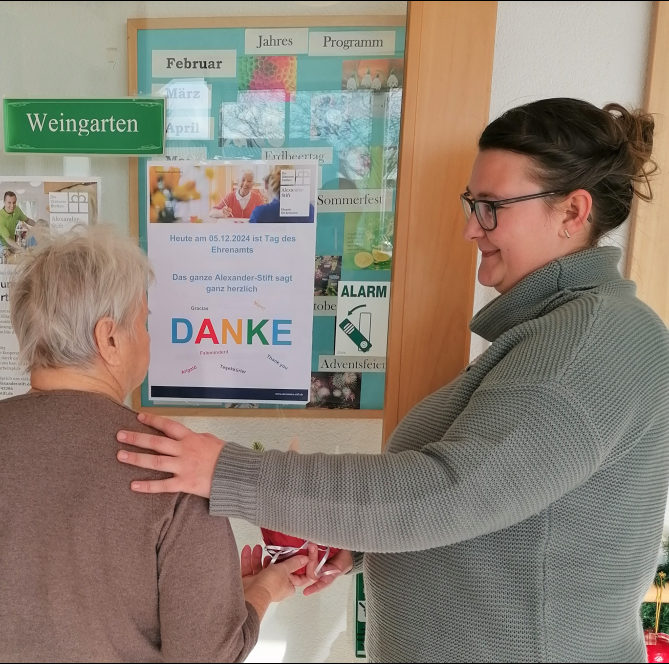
{"x":13,"y":380}
{"x":362,"y":318}
{"x":28,"y":205}
{"x":231,"y":310}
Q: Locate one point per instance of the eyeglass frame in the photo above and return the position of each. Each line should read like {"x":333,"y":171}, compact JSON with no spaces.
{"x":494,"y":204}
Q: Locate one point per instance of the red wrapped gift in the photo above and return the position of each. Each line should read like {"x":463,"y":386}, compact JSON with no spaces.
{"x":282,"y":546}
{"x":657,"y":647}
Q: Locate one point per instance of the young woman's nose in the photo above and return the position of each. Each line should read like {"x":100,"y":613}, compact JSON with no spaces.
{"x":472,"y":229}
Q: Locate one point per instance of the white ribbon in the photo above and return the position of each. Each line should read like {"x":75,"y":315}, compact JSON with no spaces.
{"x":285,"y":552}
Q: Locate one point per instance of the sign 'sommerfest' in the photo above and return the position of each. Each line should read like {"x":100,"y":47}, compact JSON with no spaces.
{"x":122,"y":126}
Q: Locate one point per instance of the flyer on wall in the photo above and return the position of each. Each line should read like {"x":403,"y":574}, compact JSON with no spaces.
{"x":231,"y":309}
{"x":31,"y":205}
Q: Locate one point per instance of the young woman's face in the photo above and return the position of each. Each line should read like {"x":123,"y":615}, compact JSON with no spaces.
{"x":528,"y":234}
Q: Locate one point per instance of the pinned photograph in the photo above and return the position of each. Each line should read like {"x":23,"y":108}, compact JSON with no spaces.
{"x":383,"y":74}
{"x":255,"y":120}
{"x":31,"y":204}
{"x":327,"y":275}
{"x":268,"y":73}
{"x":335,"y":391}
{"x":342,"y":118}
{"x":235,"y":192}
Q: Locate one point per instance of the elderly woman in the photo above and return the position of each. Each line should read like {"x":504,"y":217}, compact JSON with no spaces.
{"x":241,"y":201}
{"x":70,"y":530}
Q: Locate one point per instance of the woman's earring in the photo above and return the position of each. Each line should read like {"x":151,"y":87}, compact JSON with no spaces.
{"x":566,"y":234}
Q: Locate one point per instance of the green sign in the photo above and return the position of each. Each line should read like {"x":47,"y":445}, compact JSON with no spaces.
{"x":125,"y":126}
{"x":360,"y":616}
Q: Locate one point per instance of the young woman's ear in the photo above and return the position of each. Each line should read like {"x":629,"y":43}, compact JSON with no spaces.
{"x":577,"y":209}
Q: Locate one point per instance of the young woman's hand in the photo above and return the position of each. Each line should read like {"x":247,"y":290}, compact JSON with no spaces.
{"x":340,"y":564}
{"x":191,"y":457}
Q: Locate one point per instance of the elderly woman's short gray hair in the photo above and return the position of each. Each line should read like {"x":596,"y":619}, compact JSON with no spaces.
{"x":65,"y":285}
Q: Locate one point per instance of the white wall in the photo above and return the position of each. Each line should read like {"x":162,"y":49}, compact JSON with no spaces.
{"x":593,"y":50}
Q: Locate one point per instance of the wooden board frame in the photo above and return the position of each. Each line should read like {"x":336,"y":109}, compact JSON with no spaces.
{"x":649,"y":231}
{"x":447,"y":84}
{"x":133,"y":26}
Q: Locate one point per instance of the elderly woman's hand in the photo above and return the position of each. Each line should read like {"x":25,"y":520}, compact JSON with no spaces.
{"x":265,"y":583}
{"x":191,"y":457}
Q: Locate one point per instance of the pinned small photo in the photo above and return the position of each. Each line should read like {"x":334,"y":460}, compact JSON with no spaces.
{"x":335,"y":391}
{"x":255,"y":120}
{"x":342,"y":118}
{"x":327,"y":275}
{"x":268,"y":73}
{"x":383,"y":74}
{"x":32,"y":205}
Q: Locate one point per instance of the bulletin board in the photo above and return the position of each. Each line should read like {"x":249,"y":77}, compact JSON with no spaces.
{"x":285,"y":89}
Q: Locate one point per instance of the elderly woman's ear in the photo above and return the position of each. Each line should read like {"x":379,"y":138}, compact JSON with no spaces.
{"x":108,"y":341}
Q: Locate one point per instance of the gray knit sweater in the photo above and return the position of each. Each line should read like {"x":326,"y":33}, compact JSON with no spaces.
{"x":517,"y":513}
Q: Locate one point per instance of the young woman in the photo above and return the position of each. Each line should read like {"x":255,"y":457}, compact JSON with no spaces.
{"x":517,"y":512}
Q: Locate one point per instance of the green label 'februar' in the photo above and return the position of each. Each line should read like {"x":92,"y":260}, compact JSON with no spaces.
{"x":125,"y":126}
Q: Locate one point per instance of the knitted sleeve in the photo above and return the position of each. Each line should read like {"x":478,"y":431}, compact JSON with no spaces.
{"x":358,"y":559}
{"x":514,"y":450}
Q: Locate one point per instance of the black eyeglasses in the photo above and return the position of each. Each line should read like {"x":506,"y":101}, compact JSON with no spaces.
{"x":486,"y":210}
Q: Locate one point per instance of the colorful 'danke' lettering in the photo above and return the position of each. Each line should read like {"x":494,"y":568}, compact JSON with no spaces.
{"x":266,"y":73}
